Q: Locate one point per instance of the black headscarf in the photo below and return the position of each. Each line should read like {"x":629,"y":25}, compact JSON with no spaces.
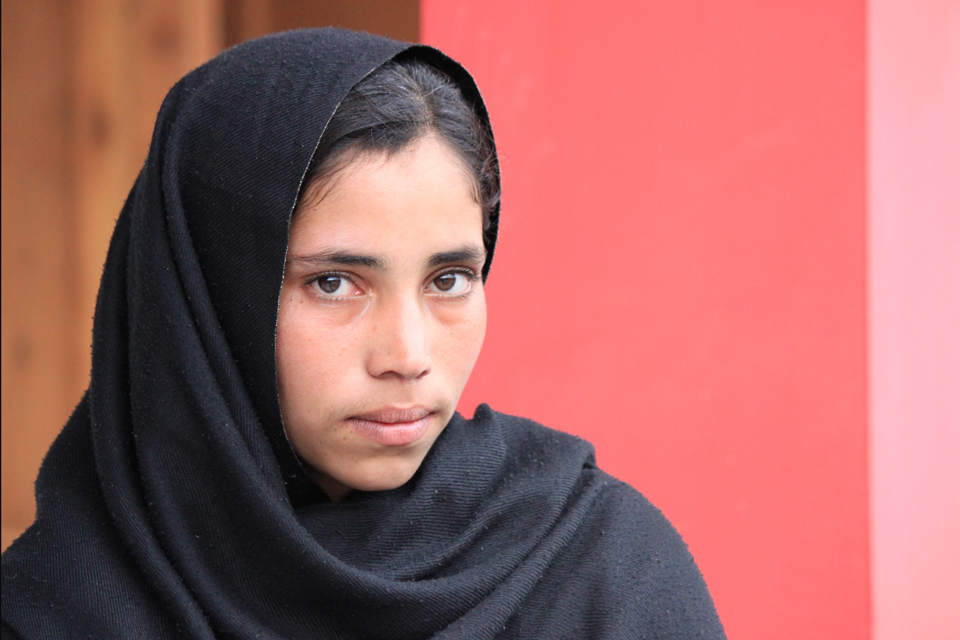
{"x":172,"y":505}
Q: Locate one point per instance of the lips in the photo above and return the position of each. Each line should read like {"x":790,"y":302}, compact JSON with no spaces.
{"x":394,"y":415}
{"x":393,"y":426}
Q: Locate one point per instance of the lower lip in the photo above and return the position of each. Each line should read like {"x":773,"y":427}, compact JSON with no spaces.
{"x":392,"y":434}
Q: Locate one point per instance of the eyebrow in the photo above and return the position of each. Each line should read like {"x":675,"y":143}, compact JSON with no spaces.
{"x":466,"y":253}
{"x":342,"y":258}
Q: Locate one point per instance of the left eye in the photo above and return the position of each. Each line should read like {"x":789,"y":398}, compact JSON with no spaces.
{"x":334,"y":286}
{"x":450,"y":284}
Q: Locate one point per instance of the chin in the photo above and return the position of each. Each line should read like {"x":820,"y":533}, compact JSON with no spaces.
{"x":383,"y":475}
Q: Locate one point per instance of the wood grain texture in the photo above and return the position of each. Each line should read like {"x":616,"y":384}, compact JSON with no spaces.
{"x":246,"y":19}
{"x":127,"y":55}
{"x":82,"y":84}
{"x":40,"y":380}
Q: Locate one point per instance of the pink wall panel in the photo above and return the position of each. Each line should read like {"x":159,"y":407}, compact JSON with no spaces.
{"x":914,"y":164}
{"x":681,"y":277}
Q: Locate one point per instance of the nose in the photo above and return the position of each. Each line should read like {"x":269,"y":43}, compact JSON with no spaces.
{"x":399,"y":346}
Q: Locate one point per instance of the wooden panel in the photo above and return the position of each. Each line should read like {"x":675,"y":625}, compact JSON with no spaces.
{"x":245,"y":19}
{"x":77,"y":123}
{"x":128,"y":54}
{"x":40,"y":381}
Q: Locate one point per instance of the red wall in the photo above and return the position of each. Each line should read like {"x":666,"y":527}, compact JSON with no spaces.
{"x":681,"y":276}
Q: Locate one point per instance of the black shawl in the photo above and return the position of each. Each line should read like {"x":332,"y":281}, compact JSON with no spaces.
{"x":172,"y":505}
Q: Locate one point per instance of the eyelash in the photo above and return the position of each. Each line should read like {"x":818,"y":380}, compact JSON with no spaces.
{"x":472,"y":276}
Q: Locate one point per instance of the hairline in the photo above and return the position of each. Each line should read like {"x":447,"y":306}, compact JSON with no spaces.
{"x":353,"y":153}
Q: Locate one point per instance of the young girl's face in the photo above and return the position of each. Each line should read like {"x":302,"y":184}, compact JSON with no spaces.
{"x":382,"y":315}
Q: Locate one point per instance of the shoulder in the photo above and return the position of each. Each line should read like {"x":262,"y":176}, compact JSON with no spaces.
{"x":48,"y":571}
{"x":611,"y":508}
{"x":621,"y":567}
{"x":525,"y":438}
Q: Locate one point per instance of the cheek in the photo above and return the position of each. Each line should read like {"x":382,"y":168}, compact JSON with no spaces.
{"x":314,"y":355}
{"x":460,"y":337}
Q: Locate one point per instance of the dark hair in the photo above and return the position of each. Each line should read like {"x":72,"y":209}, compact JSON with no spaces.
{"x":393,"y":106}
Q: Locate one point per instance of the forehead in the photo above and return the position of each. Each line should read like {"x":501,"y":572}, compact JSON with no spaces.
{"x":417,"y":200}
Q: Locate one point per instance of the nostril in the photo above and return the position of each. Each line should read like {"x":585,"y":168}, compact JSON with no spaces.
{"x":399,"y":359}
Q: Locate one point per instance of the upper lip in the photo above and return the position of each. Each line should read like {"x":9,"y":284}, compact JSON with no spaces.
{"x":393,"y":415}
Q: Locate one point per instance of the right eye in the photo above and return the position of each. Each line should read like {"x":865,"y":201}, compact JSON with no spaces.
{"x":335,"y":286}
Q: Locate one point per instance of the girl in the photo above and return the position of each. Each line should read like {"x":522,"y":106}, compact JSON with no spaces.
{"x":269,"y":447}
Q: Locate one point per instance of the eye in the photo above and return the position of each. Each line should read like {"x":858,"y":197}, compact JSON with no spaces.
{"x":334,"y":285}
{"x":452,"y":283}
